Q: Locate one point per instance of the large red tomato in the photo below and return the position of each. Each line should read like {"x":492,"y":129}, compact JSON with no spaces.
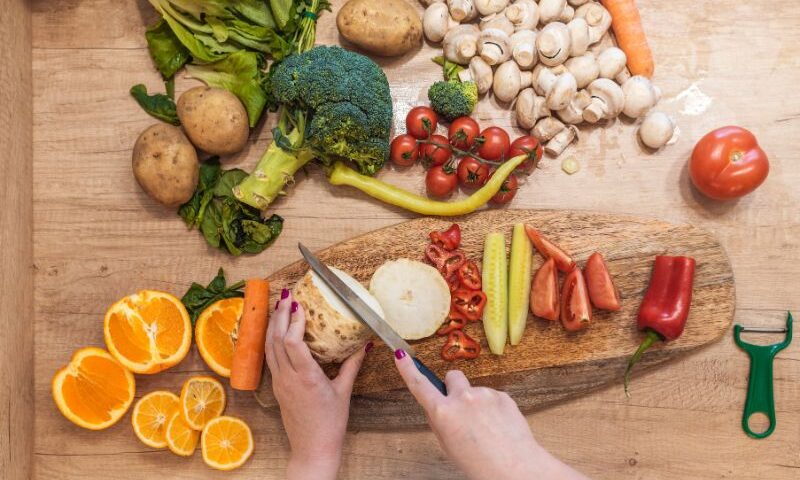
{"x":728,"y":163}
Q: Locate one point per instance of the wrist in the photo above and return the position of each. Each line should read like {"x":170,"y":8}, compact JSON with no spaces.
{"x":313,"y":465}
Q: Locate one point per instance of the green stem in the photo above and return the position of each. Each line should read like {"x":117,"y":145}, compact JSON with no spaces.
{"x":651,"y":338}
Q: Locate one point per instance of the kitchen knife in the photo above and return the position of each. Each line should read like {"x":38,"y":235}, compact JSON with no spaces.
{"x":367,"y":315}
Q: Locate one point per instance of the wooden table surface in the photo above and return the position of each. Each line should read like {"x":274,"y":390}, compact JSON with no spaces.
{"x":97,"y":237}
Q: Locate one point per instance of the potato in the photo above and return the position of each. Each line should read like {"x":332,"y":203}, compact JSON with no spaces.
{"x":214,"y":120}
{"x":383,"y":27}
{"x":165,"y":164}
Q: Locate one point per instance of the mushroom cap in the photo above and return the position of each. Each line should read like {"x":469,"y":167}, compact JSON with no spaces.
{"x":507,"y":81}
{"x":479,"y":72}
{"x":584,"y":68}
{"x":610,"y":94}
{"x":579,"y":36}
{"x":494,"y":46}
{"x":553,"y":44}
{"x":611,"y":61}
{"x":524,"y":14}
{"x":498,"y":21}
{"x":562,"y":92}
{"x":488,"y":7}
{"x":435,"y":22}
{"x":523,"y":48}
{"x":529,"y":108}
{"x":640,"y":96}
{"x":656,"y":129}
{"x":550,"y":10}
{"x":462,"y":10}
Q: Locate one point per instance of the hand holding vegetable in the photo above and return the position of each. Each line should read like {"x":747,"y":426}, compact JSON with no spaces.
{"x":481,"y":430}
{"x":314,"y":409}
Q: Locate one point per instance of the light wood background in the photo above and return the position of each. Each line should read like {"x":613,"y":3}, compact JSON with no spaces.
{"x":98,"y":237}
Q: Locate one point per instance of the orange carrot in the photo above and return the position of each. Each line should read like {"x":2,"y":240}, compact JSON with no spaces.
{"x":248,"y":353}
{"x":630,"y":35}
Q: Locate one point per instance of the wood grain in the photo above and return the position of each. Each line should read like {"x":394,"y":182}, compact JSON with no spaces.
{"x":549,"y":364}
{"x":97,"y":237}
{"x":16,"y":235}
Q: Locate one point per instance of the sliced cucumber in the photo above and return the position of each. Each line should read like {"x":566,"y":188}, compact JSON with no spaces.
{"x":495,"y":285}
{"x":519,"y":283}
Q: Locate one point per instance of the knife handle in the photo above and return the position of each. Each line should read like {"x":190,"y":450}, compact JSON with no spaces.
{"x":436,"y":381}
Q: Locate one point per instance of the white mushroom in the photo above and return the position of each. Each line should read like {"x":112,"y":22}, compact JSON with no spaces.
{"x":436,"y":21}
{"x":656,"y":130}
{"x":498,"y":21}
{"x":462,"y":10}
{"x":547,"y":128}
{"x":584,"y":68}
{"x":544,"y":77}
{"x":574,"y":3}
{"x":597,"y":17}
{"x":530,"y":108}
{"x":607,"y":100}
{"x":611,"y":62}
{"x":573,"y":113}
{"x":488,"y":7}
{"x":428,"y":3}
{"x":561,"y":141}
{"x":553,"y":44}
{"x":524,"y":14}
{"x":562,"y":91}
{"x":479,"y":72}
{"x":461,"y":43}
{"x":494,"y":46}
{"x":555,"y":10}
{"x":509,"y":80}
{"x":579,"y":36}
{"x":523,"y":48}
{"x":640,"y":96}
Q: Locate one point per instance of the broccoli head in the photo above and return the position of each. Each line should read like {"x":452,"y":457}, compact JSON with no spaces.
{"x":452,"y":99}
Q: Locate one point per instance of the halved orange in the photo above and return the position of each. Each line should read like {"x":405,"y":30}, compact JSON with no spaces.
{"x":148,"y":331}
{"x":215,"y":334}
{"x":150,"y":416}
{"x":181,"y":439}
{"x":94,"y":390}
{"x":202,"y":399}
{"x":227,"y":443}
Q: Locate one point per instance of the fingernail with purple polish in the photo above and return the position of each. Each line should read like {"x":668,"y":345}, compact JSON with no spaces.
{"x":368,"y":346}
{"x":284,"y":294}
{"x":400,"y":354}
{"x":277,"y":304}
{"x":295,"y":306}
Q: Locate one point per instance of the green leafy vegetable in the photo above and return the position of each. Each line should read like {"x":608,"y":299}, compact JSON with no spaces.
{"x":198,"y":297}
{"x":167,"y":52}
{"x":453,"y":98}
{"x":450,"y":70}
{"x":225,"y":222}
{"x":158,"y":105}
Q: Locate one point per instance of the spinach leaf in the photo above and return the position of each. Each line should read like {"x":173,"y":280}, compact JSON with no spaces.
{"x":167,"y":52}
{"x":158,"y":105}
{"x":198,"y":297}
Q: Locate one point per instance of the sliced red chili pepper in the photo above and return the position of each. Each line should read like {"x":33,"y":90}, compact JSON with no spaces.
{"x":469,"y":303}
{"x":548,"y":249}
{"x":469,"y":275}
{"x":455,"y":321}
{"x":460,"y":345}
{"x":576,"y":309}
{"x":544,"y":291}
{"x":453,"y":283}
{"x":602,"y":292}
{"x":445,"y":261}
{"x":448,"y":239}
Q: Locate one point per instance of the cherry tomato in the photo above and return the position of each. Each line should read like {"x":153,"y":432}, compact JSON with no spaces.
{"x":435,"y":154}
{"x":469,"y":303}
{"x":421,"y":122}
{"x":440,"y":181}
{"x":472,"y":173}
{"x":548,"y":249}
{"x":530,"y":146}
{"x":448,"y":239}
{"x":460,"y":345}
{"x":576,"y":309}
{"x":470,"y":276}
{"x":507,"y":191}
{"x":462,"y":132}
{"x":404,"y":151}
{"x":602,"y":292}
{"x":728,"y":163}
{"x":544,"y":291}
{"x":495,"y":144}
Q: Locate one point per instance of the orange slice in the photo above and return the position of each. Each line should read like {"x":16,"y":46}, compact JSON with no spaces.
{"x":150,"y":416}
{"x":94,"y":390}
{"x":202,"y":399}
{"x":226,"y":443}
{"x":148,"y":331}
{"x":215,"y":334}
{"x":181,"y":439}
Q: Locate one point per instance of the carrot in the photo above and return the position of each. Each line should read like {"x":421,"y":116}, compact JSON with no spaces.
{"x":248,"y":353}
{"x":630,"y":35}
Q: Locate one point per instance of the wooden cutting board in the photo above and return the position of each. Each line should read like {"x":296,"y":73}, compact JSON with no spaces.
{"x":549,"y":364}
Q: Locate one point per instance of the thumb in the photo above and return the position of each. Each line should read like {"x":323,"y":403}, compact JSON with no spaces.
{"x":349,"y":371}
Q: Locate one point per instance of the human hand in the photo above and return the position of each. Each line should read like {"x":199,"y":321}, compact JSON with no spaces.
{"x":481,"y":430}
{"x":314,"y":409}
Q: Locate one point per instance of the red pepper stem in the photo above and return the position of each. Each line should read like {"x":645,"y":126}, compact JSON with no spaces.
{"x":651,"y":338}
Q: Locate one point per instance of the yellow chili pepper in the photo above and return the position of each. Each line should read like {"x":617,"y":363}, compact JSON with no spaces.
{"x":344,"y":175}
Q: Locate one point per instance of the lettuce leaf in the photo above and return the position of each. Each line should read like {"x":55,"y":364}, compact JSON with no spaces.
{"x":166,"y":50}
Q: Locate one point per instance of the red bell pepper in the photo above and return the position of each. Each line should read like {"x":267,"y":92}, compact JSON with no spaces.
{"x":454,"y":321}
{"x":469,"y":275}
{"x":445,"y":261}
{"x":469,"y":303}
{"x":548,"y":249}
{"x":665,"y":306}
{"x":448,"y":239}
{"x":460,"y":345}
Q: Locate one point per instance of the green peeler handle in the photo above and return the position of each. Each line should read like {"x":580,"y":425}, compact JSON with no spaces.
{"x":760,"y":396}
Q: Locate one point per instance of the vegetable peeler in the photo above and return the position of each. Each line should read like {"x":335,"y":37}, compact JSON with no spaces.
{"x":760,"y":396}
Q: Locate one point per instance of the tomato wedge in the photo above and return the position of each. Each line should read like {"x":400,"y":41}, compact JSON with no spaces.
{"x":445,"y":261}
{"x":460,"y":345}
{"x":602,"y":292}
{"x":564,"y":262}
{"x":576,"y":309}
{"x":454,"y":321}
{"x":469,"y":303}
{"x":544,"y":291}
{"x":448,"y":239}
{"x":470,"y":276}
